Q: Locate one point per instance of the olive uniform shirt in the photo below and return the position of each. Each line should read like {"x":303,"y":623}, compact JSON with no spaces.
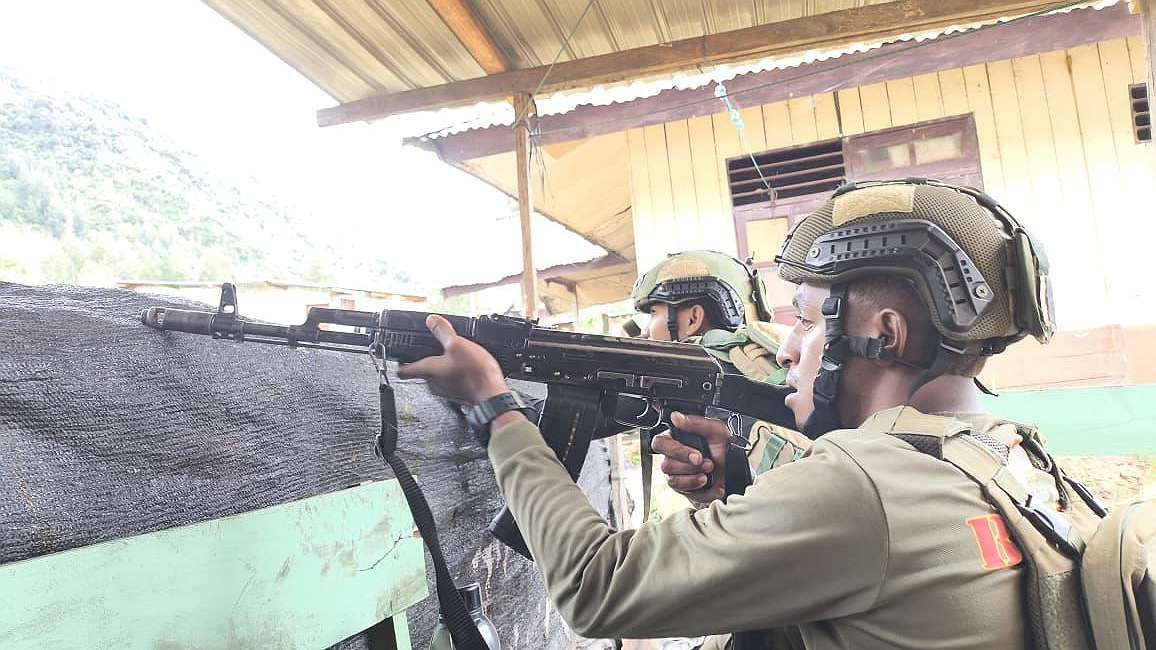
{"x":862,"y":543}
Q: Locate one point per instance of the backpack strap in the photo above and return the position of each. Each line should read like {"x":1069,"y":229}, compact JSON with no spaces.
{"x":982,"y":459}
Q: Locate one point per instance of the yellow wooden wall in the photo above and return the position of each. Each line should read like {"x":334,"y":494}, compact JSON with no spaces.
{"x":1056,"y":148}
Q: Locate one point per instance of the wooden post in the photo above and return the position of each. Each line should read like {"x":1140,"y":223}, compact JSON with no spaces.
{"x":577,"y":306}
{"x":523,"y":109}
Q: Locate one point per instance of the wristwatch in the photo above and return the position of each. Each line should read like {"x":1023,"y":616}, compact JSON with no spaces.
{"x":479,"y":416}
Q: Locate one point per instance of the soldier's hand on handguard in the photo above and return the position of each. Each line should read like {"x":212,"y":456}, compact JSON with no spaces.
{"x":685,"y":468}
{"x":465,"y":372}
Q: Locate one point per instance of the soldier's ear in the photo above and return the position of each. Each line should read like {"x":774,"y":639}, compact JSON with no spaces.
{"x":696,"y":323}
{"x":894,"y":330}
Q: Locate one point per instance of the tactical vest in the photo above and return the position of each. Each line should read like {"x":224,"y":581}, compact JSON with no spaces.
{"x":1089,"y":576}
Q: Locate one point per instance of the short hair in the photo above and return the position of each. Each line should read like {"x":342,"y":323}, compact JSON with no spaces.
{"x":874,"y":292}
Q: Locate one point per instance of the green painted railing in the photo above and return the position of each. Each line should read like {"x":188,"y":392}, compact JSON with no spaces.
{"x":1115,"y":420}
{"x":305,"y":574}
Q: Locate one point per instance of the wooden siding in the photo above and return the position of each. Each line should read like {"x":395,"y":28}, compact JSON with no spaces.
{"x":1055,"y":145}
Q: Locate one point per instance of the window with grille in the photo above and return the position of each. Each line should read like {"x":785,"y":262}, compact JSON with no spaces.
{"x":1141,"y":112}
{"x":801,"y":178}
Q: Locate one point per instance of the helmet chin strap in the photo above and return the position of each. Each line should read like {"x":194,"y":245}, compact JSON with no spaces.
{"x":672,"y":322}
{"x":825,"y":417}
{"x":837,"y":349}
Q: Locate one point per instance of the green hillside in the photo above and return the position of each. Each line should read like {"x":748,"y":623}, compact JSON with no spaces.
{"x":90,"y":194}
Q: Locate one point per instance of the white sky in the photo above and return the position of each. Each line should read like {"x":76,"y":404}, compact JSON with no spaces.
{"x":221,"y":95}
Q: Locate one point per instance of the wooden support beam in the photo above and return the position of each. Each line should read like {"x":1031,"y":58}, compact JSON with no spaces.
{"x":523,"y":109}
{"x":893,"y":61}
{"x":463,"y":21}
{"x":827,"y":29}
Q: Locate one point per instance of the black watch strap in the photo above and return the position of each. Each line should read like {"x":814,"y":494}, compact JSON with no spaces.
{"x":479,"y":416}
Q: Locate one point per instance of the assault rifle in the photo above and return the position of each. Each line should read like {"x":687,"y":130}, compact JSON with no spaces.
{"x":597,"y":385}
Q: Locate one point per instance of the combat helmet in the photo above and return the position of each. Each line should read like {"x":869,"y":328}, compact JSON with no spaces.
{"x":731,"y":291}
{"x":982,"y":276}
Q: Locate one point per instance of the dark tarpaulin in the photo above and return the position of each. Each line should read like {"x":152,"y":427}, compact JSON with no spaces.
{"x":110,"y":429}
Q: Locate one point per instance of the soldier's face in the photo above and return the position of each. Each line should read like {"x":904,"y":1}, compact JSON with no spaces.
{"x":657,"y":328}
{"x":802,"y":352}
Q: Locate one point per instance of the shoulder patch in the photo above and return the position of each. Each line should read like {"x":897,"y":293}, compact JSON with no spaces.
{"x":997,"y":550}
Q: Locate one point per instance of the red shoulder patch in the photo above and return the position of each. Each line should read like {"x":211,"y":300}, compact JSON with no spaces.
{"x":996,"y":547}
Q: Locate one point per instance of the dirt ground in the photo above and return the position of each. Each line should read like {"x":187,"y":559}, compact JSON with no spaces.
{"x":1114,"y":479}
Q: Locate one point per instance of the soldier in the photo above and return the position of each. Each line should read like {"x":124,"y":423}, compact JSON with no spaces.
{"x":905,"y":288}
{"x":715,"y":300}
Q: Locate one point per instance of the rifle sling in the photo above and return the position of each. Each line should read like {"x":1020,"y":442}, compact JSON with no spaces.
{"x":463,"y":630}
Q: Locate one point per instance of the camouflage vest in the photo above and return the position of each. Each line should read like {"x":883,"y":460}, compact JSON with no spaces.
{"x":751,"y":350}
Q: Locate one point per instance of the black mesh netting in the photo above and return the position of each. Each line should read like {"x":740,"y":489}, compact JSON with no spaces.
{"x":109,"y":429}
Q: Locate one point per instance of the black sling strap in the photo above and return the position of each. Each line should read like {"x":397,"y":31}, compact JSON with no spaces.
{"x":462,"y":629}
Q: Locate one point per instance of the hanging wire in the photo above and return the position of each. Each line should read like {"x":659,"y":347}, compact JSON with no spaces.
{"x":550,"y":68}
{"x":720,"y":91}
{"x":865,"y":58}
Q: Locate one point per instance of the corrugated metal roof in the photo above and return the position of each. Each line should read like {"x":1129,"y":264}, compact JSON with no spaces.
{"x":482,"y":115}
{"x":357,"y":48}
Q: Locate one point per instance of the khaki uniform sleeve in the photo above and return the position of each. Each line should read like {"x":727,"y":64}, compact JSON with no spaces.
{"x":805,"y":542}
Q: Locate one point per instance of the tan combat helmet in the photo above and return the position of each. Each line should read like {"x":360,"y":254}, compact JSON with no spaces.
{"x":983,"y":278}
{"x":732,"y":291}
{"x":976,"y":267}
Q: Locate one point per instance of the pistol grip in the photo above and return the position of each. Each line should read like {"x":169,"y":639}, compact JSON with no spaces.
{"x":695,"y":442}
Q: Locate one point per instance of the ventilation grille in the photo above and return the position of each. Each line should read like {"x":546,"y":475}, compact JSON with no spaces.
{"x":1141,"y":113}
{"x":813,"y":169}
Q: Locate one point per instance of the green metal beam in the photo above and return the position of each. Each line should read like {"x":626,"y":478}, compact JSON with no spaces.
{"x":1107,"y":421}
{"x":305,"y":574}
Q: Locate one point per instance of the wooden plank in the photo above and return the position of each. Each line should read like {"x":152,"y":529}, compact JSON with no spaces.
{"x":803,"y":127}
{"x":686,"y":218}
{"x":305,"y":574}
{"x":754,"y":131}
{"x":777,"y":125}
{"x":1136,"y":178}
{"x":1080,"y":293}
{"x":979,"y":101}
{"x":876,"y":107}
{"x":1046,"y":216}
{"x":800,"y":34}
{"x":901,"y":95}
{"x":928,"y":100}
{"x":460,"y":17}
{"x":1136,"y":58}
{"x":727,"y":145}
{"x":850,"y":111}
{"x":953,"y":90}
{"x":661,"y":194}
{"x":893,"y":61}
{"x":523,"y":110}
{"x":1009,"y":133}
{"x":642,"y":207}
{"x":826,"y":117}
{"x":1113,"y":211}
{"x":713,"y":202}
